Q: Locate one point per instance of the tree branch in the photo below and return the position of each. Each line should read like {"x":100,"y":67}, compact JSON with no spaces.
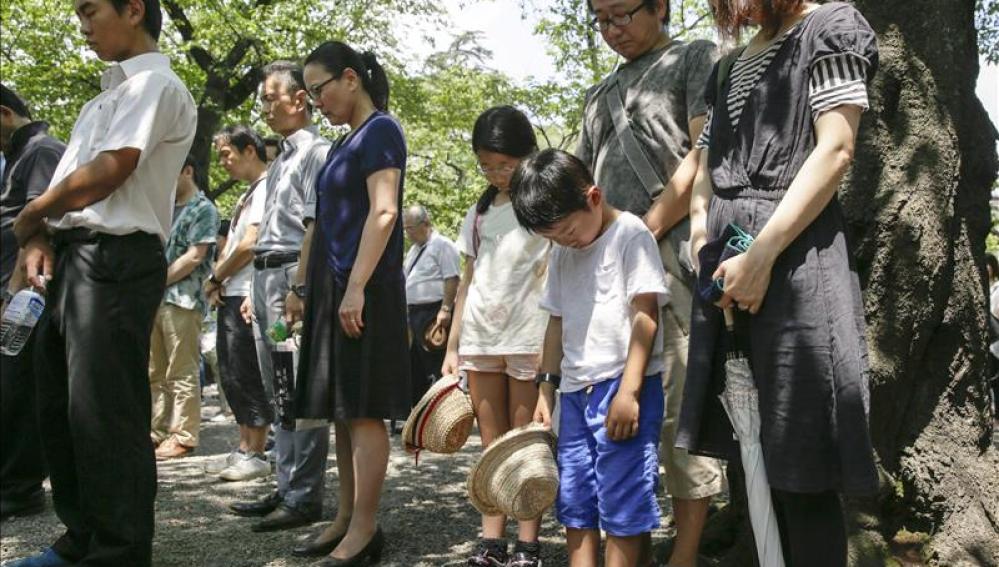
{"x":179,"y":18}
{"x":221,"y":189}
{"x":242,"y":89}
{"x":237,"y":52}
{"x":202,"y":58}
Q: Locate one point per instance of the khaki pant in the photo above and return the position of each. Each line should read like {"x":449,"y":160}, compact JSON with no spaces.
{"x":689,"y":477}
{"x":174,"y":374}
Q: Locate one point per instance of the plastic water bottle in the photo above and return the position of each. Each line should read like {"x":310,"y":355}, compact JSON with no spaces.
{"x":19,"y":319}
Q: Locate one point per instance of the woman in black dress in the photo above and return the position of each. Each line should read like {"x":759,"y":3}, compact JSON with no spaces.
{"x":780,"y":136}
{"x":355,"y":357}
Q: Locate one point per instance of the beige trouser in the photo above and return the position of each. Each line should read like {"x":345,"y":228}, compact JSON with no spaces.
{"x":174,"y":374}
{"x":687,"y":476}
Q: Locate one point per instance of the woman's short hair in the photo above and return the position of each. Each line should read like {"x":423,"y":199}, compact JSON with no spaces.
{"x":733,"y":16}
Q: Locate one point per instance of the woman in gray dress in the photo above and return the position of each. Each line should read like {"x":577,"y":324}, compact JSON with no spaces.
{"x":780,"y":136}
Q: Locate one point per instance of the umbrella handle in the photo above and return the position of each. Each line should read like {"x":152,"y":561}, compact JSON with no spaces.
{"x":729,"y":319}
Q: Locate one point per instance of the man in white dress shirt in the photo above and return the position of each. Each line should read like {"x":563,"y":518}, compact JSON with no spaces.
{"x":101,"y":257}
{"x":432,"y":269}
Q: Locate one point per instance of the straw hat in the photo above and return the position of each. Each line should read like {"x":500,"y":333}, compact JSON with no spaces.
{"x":435,"y":337}
{"x":441,"y":421}
{"x":516,"y":475}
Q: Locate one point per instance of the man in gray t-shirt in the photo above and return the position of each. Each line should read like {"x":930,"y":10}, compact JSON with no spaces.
{"x":661,"y":85}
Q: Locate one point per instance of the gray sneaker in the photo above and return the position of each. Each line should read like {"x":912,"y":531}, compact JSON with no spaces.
{"x":219,"y":465}
{"x":249,"y":467}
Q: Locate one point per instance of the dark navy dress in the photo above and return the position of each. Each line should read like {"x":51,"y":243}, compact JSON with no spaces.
{"x":807,"y":346}
{"x":343,"y":378}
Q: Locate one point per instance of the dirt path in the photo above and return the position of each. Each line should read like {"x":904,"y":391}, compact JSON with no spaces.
{"x":425,"y":514}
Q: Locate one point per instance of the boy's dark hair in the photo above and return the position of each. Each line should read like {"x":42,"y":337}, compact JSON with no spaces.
{"x":337,"y":56}
{"x":242,"y":137}
{"x":993,"y":265}
{"x":191,"y":162}
{"x":152,"y":21}
{"x":10,"y":99}
{"x":547,"y":187}
{"x":502,"y":130}
{"x":650,"y":5}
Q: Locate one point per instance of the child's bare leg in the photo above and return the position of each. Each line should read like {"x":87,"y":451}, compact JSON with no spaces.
{"x":523,"y":396}
{"x":489,"y":398}
{"x":584,"y":547}
{"x":623,"y":551}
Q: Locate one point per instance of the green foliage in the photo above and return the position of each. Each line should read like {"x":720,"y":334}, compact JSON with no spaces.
{"x":987,"y":24}
{"x":219,"y":46}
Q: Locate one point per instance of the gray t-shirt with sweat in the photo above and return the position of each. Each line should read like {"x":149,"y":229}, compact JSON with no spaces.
{"x":663,"y":90}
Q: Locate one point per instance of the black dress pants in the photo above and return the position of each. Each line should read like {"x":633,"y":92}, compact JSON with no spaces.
{"x":92,"y":356}
{"x":425,"y":366}
{"x":22,"y":467}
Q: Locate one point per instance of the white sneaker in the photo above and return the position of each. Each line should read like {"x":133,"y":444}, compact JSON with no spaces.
{"x":219,"y":465}
{"x":249,"y":467}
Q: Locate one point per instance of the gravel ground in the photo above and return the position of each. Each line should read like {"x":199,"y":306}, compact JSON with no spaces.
{"x":425,"y":513}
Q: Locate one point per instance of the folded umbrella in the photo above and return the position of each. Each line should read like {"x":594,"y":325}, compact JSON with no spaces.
{"x":741,"y":402}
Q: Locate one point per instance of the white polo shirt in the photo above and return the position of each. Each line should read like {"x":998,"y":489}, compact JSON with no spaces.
{"x":425,"y":278}
{"x":143,"y":105}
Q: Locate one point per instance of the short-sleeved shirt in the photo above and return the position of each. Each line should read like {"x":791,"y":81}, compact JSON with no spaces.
{"x":196,"y":223}
{"x":291,"y":193}
{"x":33,"y":156}
{"x":145,"y":106}
{"x":776,"y":133}
{"x":427,"y":266}
{"x":663,"y":90}
{"x":238,"y":284}
{"x":591,"y":289}
{"x":501,"y":314}
{"x":376,"y":145}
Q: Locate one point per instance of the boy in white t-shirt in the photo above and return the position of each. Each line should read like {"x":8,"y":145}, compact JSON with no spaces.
{"x":603,"y":351}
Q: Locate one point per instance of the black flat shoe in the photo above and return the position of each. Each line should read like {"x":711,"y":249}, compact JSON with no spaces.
{"x":261,"y":507}
{"x":316,"y":548}
{"x":370,"y":555}
{"x":286,"y":518}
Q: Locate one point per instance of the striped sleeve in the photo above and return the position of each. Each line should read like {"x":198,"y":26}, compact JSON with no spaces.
{"x":837,"y":80}
{"x":704,"y":140}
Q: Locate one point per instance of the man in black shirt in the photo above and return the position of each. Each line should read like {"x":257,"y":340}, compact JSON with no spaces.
{"x":31,"y":156}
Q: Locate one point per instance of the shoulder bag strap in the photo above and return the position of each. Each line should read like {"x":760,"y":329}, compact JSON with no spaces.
{"x":640,"y":164}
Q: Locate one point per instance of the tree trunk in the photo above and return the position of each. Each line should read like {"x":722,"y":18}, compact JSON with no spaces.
{"x":918,"y":204}
{"x":917,"y":201}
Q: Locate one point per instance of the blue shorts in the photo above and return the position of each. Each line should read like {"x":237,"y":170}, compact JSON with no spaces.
{"x":604,"y":484}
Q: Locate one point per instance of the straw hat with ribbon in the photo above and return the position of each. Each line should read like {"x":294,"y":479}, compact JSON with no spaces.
{"x":441,"y":421}
{"x":516,"y":475}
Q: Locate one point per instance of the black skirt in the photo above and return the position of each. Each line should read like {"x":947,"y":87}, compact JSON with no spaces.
{"x":808,"y":355}
{"x":342,"y":378}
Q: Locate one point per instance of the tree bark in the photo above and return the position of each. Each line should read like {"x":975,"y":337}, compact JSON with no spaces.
{"x":917,"y":202}
{"x":918,"y":206}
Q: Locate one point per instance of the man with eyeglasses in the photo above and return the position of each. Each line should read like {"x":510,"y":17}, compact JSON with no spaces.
{"x":286,"y":221}
{"x":637,"y":137}
{"x":431,"y":267}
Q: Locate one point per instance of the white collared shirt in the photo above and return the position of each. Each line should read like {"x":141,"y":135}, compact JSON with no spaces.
{"x":143,"y":105}
{"x":425,"y":276}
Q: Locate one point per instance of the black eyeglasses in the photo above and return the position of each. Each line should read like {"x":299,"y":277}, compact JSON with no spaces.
{"x":616,"y":21}
{"x":316,"y":91}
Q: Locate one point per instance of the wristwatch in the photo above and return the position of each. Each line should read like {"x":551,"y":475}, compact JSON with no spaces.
{"x":215,"y":280}
{"x":299,"y":290}
{"x":554,"y":379}
{"x":446,"y":308}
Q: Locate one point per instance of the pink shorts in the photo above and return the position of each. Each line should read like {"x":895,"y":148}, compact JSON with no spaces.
{"x":517,"y":366}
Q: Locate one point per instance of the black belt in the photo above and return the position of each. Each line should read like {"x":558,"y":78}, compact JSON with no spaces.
{"x":75,"y":236}
{"x":274,"y":260}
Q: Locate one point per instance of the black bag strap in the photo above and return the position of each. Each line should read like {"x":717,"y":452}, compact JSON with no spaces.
{"x":725,"y":69}
{"x":417,"y":259}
